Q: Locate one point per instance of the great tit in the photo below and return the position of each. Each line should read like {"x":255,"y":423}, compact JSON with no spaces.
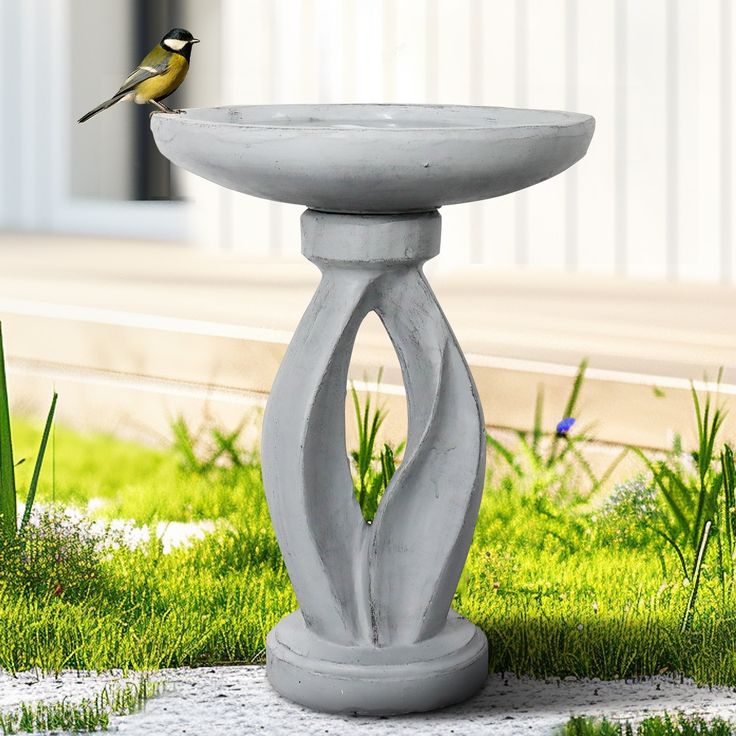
{"x":157,"y":76}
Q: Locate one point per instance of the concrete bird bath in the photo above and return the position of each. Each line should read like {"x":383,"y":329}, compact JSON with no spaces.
{"x":374,"y":633}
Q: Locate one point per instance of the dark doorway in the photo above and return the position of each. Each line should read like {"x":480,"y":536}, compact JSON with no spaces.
{"x":151,"y":171}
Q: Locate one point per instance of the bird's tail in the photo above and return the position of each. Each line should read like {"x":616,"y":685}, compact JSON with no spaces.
{"x":107,"y":103}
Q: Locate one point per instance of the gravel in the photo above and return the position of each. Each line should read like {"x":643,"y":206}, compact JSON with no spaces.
{"x":239,"y":700}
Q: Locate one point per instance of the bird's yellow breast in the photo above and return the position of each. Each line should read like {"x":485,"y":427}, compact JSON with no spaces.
{"x":163,"y":85}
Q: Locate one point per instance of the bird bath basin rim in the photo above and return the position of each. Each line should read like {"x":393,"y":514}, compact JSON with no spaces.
{"x":373,"y":158}
{"x":476,"y":117}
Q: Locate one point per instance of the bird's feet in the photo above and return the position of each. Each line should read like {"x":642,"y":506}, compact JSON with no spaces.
{"x":164,"y":108}
{"x":168,"y":110}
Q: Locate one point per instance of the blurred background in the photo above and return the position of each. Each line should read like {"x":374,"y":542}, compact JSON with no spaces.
{"x":162,"y":292}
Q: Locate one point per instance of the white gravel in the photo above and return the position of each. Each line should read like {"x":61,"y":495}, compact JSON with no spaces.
{"x":239,"y":700}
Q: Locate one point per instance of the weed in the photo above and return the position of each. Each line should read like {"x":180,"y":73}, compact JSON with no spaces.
{"x":551,"y":462}
{"x":581,"y":726}
{"x":548,"y":470}
{"x":55,"y":554}
{"x":629,"y":513}
{"x":201,"y":456}
{"x":696,"y":499}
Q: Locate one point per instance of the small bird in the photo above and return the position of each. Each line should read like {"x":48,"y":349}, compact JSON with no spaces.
{"x":157,"y":76}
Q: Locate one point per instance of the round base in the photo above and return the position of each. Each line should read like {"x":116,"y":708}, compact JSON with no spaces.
{"x":359,"y":680}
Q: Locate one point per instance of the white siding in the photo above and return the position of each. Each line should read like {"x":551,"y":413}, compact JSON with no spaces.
{"x":653,"y":198}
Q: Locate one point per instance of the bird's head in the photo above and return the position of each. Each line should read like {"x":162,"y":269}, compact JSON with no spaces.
{"x":179,"y":41}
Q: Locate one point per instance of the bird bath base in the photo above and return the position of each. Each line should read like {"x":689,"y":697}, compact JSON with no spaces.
{"x":373,"y":634}
{"x":367,"y":680}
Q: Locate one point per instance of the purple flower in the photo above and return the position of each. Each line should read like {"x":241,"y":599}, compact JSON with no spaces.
{"x":564,"y":426}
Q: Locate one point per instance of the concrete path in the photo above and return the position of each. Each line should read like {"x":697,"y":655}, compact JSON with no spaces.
{"x":239,"y":700}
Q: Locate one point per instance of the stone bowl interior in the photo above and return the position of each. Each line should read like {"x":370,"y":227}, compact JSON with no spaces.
{"x":373,"y":159}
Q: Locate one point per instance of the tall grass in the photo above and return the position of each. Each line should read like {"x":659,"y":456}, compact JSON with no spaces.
{"x":8,"y":486}
{"x":373,"y":469}
{"x":550,"y":460}
{"x":546,"y":609}
{"x":697,"y":500}
{"x":201,"y":455}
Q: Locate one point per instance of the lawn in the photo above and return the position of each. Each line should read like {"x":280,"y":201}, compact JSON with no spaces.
{"x":560,"y":586}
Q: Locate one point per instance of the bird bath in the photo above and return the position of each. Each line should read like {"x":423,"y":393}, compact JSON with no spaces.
{"x":374,"y":633}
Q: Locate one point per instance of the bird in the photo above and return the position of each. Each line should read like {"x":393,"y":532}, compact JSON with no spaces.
{"x":157,"y":76}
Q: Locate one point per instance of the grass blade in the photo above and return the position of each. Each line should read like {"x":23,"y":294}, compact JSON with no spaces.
{"x":184,"y":445}
{"x":7,"y":471}
{"x":538,"y":410}
{"x":570,"y":406}
{"x":577,"y":385}
{"x":659,"y":474}
{"x":704,"y":537}
{"x":674,"y":546}
{"x":506,"y":454}
{"x":729,"y":479}
{"x":358,"y":413}
{"x":39,"y":462}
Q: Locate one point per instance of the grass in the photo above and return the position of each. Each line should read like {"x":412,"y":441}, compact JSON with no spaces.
{"x":211,"y":603}
{"x":665,"y":725}
{"x":116,"y":699}
{"x":372,"y":472}
{"x":559,"y":587}
{"x":8,"y":496}
{"x":540,"y":588}
{"x":553,"y":462}
{"x":134,"y":482}
{"x":697,"y":505}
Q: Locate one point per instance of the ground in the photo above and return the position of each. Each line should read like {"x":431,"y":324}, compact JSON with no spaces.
{"x":566,"y":585}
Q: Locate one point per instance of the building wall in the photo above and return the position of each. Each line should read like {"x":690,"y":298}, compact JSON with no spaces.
{"x":653,"y":198}
{"x":98,"y":63}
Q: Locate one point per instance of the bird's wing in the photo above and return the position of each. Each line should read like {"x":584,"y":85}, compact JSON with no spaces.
{"x":143,"y":72}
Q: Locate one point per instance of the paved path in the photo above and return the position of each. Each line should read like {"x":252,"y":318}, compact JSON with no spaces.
{"x":238,"y":700}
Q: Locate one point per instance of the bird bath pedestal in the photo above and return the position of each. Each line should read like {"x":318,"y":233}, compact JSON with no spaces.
{"x":374,"y":633}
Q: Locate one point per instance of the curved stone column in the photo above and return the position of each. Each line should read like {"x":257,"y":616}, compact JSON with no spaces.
{"x":374,"y":632}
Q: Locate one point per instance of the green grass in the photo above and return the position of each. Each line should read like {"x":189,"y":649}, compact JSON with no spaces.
{"x":212,"y":602}
{"x":8,"y":497}
{"x":586,"y":605}
{"x":373,"y":468}
{"x":560,"y":589}
{"x":665,"y":725}
{"x":116,"y":699}
{"x":136,"y":482}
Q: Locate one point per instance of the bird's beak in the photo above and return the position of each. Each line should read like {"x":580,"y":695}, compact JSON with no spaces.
{"x":195,"y":40}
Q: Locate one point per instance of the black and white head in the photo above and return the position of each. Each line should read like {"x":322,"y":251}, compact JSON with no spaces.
{"x":179,"y":41}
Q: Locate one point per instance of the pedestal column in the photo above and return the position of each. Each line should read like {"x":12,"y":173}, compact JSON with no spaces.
{"x":374,"y":632}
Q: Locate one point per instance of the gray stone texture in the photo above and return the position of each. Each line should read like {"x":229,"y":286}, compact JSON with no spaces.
{"x":374,"y":633}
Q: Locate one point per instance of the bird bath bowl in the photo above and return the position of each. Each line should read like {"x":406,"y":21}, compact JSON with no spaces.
{"x":374,"y":633}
